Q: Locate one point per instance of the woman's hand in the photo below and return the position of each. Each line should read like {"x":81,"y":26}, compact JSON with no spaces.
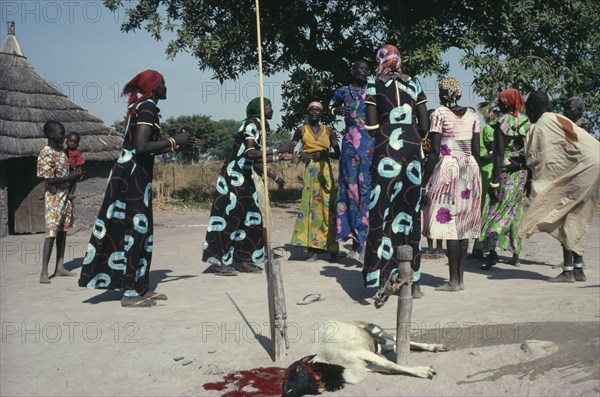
{"x":488,"y":157}
{"x":513,"y":166}
{"x":75,"y":174}
{"x":286,"y":147}
{"x":342,"y":111}
{"x":304,"y":157}
{"x":185,"y":139}
{"x":287,"y":156}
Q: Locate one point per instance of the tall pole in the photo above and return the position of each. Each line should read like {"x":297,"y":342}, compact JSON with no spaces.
{"x":276,"y":297}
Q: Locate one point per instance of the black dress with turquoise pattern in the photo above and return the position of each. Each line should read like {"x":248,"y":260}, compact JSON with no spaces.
{"x":119,"y":253}
{"x":235,"y":229}
{"x":394,"y":217}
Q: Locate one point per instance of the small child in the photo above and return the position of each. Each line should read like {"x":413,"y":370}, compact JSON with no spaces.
{"x":75,"y":158}
{"x":53,"y":166}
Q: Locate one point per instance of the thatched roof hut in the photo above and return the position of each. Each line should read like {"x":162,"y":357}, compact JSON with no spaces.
{"x":27,"y":101}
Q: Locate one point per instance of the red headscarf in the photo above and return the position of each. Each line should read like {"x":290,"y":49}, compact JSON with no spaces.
{"x":143,"y":84}
{"x":512,"y":99}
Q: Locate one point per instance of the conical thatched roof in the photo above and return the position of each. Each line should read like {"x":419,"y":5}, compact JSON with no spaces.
{"x":27,"y":101}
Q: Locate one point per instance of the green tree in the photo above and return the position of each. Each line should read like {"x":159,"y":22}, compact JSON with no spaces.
{"x":224,"y":136}
{"x":119,"y":126}
{"x":527,"y":44}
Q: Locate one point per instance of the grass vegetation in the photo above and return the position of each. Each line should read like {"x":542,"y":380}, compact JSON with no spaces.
{"x":191,"y":185}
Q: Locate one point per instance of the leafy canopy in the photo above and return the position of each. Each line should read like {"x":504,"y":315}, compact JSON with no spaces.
{"x":216,"y":136}
{"x":553,"y":45}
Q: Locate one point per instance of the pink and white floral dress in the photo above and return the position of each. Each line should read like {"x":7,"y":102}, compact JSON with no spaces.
{"x":454,"y":190}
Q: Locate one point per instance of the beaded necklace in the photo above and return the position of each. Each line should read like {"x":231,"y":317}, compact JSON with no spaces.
{"x":356,"y":94}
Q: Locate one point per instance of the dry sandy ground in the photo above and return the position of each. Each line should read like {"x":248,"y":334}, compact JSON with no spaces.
{"x":60,"y":339}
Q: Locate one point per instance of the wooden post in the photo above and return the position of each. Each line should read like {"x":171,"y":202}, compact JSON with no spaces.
{"x":276,"y":297}
{"x":404,"y":314}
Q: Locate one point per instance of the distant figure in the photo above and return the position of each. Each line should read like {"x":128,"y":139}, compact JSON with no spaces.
{"x":565,"y":188}
{"x":355,"y":162}
{"x":53,"y":166}
{"x":397,"y":119}
{"x":315,"y":226}
{"x":76,"y":159}
{"x":574,"y":108}
{"x":119,"y":253}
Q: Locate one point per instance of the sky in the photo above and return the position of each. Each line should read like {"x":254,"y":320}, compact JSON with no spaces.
{"x":78,"y":46}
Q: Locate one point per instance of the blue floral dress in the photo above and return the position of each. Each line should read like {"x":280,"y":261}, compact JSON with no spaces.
{"x":354,"y":179}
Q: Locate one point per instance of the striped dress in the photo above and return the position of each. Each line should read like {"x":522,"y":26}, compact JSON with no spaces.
{"x":454,"y":190}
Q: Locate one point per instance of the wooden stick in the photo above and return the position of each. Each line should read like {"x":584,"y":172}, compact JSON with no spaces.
{"x":404,"y":314}
{"x":276,"y":296}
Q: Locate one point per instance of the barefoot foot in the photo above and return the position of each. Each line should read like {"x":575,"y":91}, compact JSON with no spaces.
{"x":63,"y":272}
{"x":44,"y":279}
{"x":416,"y":291}
{"x":578,"y":274}
{"x":448,"y":287}
{"x":565,"y":277}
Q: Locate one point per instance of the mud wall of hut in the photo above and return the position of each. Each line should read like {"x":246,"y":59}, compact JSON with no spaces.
{"x":21,"y":196}
{"x":90,"y":193}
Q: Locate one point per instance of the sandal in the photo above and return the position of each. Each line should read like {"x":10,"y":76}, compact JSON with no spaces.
{"x":155,"y":296}
{"x":250,"y":268}
{"x":224,"y":270}
{"x":137,"y":301}
{"x":310,"y":298}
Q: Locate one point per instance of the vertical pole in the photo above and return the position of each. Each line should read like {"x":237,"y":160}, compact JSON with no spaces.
{"x":276,"y":297}
{"x":404,"y":314}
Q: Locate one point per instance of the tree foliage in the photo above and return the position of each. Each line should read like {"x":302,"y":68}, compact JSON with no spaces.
{"x":527,"y":44}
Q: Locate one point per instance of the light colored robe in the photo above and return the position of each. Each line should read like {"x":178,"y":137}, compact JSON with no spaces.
{"x":565,"y":189}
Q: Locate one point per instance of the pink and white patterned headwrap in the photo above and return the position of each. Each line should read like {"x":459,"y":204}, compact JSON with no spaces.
{"x":315,"y":104}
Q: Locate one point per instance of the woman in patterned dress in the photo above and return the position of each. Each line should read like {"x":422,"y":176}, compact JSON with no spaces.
{"x":504,"y":205}
{"x":452,"y":197}
{"x":395,"y":102}
{"x":314,"y":228}
{"x":354,"y":179}
{"x":235,"y":230}
{"x":120,"y":249}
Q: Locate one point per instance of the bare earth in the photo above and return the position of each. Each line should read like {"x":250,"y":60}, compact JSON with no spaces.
{"x":59,"y":339}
